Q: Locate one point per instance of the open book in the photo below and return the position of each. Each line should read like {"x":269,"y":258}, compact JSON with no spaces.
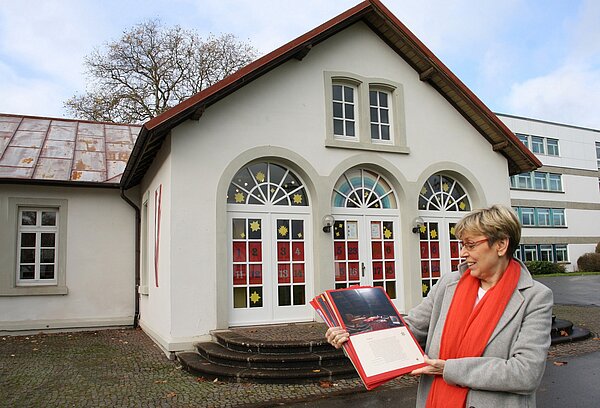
{"x":381,"y":347}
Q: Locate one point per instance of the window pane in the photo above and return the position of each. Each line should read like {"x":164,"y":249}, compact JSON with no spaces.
{"x":46,"y":271}
{"x":299,"y":296}
{"x":555,"y":182}
{"x":374,"y":115}
{"x":349,"y":111}
{"x":374,"y":132}
{"x":348,"y":94}
{"x":338,"y":127}
{"x":285,"y":295}
{"x":373,"y":98}
{"x":48,"y":240}
{"x":558,"y":217}
{"x":47,"y":255}
{"x":383,"y":99}
{"x":337,"y":92}
{"x":552,"y":147}
{"x":537,"y":144}
{"x":385,"y":132}
{"x":27,"y":256}
{"x":337,"y":110}
{"x":527,"y":216}
{"x":543,"y":217}
{"x":385,"y":118}
{"x":26,"y":272}
{"x":540,"y":180}
{"x":349,"y":128}
{"x":28,"y":240}
{"x":28,"y":218}
{"x":48,"y":218}
{"x":524,"y":139}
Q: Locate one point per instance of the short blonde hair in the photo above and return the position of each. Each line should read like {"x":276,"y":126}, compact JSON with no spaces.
{"x":495,"y":223}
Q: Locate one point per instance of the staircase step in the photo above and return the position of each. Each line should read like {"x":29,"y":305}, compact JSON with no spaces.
{"x":218,"y":354}
{"x":233,"y":340}
{"x":575,"y":334}
{"x":198,"y":365}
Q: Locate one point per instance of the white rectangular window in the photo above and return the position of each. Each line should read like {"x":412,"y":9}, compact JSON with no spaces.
{"x":555,"y":182}
{"x":37,"y":246}
{"x":379,"y":107}
{"x":524,"y":181}
{"x":527,"y":216}
{"x":558,"y":217}
{"x":530,"y":253}
{"x":543,"y":217}
{"x":598,"y":154}
{"x":540,"y":180}
{"x":537,"y":144}
{"x":344,"y":110}
{"x":552,"y":147}
{"x":546,"y":253}
{"x":561,"y":253}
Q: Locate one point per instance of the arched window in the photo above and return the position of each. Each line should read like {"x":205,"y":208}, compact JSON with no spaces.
{"x":443,"y":193}
{"x":361,"y":188}
{"x":266,"y":183}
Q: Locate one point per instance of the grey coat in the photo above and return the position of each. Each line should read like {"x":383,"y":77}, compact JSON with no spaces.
{"x":513,"y":362}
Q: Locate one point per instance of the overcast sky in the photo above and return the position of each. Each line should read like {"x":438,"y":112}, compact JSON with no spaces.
{"x":532,"y":58}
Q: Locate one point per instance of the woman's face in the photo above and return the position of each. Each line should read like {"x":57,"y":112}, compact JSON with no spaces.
{"x":483,"y":259}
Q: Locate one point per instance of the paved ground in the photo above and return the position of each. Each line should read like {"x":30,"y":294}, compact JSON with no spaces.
{"x":563,"y":287}
{"x":124,"y":368}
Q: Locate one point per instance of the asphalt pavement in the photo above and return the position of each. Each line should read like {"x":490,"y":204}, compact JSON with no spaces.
{"x":574,"y":290}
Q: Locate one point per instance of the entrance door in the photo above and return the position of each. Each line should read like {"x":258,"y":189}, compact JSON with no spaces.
{"x":268,"y":268}
{"x":365,"y":252}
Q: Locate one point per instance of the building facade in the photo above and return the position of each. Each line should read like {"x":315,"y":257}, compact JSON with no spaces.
{"x":559,"y":203}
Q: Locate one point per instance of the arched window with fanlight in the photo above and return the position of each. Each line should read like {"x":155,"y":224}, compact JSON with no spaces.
{"x":442,"y":202}
{"x":269,"y":246}
{"x":365,"y":209}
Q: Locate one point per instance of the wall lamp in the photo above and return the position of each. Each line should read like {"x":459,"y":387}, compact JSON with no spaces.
{"x":417,"y":224}
{"x":328,"y":221}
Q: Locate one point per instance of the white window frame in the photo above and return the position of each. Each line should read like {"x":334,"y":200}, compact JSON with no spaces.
{"x":537,"y":145}
{"x":560,"y":214}
{"x":530,"y":249}
{"x":10,"y":285}
{"x":380,"y":123}
{"x":345,"y":104}
{"x":528,"y":212}
{"x":552,"y":149}
{"x":543,"y":217}
{"x":562,"y":253}
{"x":362,"y":140}
{"x":38,"y":229}
{"x":545,"y":251}
{"x":524,"y":139}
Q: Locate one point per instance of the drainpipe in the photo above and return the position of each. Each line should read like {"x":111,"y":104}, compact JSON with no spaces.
{"x":138,"y":222}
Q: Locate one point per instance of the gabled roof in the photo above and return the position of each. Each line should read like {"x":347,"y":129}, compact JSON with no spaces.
{"x":375,"y":15}
{"x":57,"y":151}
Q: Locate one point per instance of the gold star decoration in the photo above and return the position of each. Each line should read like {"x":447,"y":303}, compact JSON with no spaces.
{"x":297,"y":198}
{"x":445,"y":187}
{"x":462,"y":205}
{"x":283,"y":230}
{"x":422,"y":229}
{"x":260,"y":176}
{"x":423,"y":191}
{"x":255,"y":297}
{"x":424,"y":288}
{"x":387,"y":233}
{"x":239,"y":197}
{"x":433,"y":234}
{"x":300,"y":235}
{"x":255,"y":226}
{"x":242,"y":235}
{"x":452,"y":231}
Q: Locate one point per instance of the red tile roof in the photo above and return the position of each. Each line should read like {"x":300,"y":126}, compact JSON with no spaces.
{"x":63,"y":150}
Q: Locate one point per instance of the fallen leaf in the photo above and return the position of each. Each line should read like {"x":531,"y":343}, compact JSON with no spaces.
{"x":325,"y":384}
{"x":560,"y":363}
{"x":316,"y":371}
{"x":160,"y":382}
{"x":171,"y":395}
{"x":564,"y":333}
{"x":200,"y":379}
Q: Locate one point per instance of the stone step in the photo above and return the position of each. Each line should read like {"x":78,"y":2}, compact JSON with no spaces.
{"x":198,"y":365}
{"x":233,"y":340}
{"x":563,"y":331}
{"x":218,"y":354}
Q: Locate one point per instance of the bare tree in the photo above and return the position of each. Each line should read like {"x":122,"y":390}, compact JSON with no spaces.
{"x":151,"y":69}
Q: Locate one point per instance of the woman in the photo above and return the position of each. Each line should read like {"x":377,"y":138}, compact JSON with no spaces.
{"x":486,"y":327}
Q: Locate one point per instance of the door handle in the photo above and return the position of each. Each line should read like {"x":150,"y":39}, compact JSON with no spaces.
{"x":362,"y":267}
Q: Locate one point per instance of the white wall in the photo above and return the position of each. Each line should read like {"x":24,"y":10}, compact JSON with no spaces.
{"x":282,"y":115}
{"x":99,"y":264}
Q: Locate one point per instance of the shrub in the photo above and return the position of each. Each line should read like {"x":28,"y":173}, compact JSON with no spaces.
{"x":598,"y":248}
{"x":544,"y":267}
{"x":589,"y":262}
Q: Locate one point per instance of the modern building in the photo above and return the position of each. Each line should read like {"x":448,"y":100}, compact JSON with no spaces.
{"x":559,"y":203}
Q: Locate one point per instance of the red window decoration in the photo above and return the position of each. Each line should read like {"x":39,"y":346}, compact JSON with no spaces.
{"x":239,"y":274}
{"x":340,"y":271}
{"x":339,"y":249}
{"x":254,"y":252}
{"x":283,"y":273}
{"x":239,"y":252}
{"x":390,"y":270}
{"x":388,"y":249}
{"x":255,"y":274}
{"x":376,"y":251}
{"x":298,"y":251}
{"x":283,"y":251}
{"x":353,"y":273}
{"x":425,"y":269}
{"x":298,"y":273}
{"x":352,"y":251}
{"x":377,"y":270}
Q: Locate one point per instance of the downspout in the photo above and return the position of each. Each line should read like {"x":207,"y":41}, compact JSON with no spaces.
{"x":138,"y":222}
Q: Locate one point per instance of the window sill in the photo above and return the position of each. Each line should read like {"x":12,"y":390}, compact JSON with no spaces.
{"x":375,"y":147}
{"x":34,"y":291}
{"x":536,"y":191}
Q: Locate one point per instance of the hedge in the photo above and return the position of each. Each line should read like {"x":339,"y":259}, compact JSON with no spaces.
{"x":589,"y":262}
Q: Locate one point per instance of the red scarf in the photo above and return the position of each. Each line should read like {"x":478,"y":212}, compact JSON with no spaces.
{"x":468,"y":329}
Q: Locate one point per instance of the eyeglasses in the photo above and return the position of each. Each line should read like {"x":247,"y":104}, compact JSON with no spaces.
{"x":471,"y":245}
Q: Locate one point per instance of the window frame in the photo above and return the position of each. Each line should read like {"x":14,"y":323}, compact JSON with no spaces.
{"x":344,"y":104}
{"x":363,"y":141}
{"x":550,"y":182}
{"x":552,"y":149}
{"x":9,"y":284}
{"x":379,"y":123}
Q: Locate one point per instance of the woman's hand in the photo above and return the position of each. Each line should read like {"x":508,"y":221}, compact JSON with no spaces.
{"x":336,"y":336}
{"x":435,"y":367}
